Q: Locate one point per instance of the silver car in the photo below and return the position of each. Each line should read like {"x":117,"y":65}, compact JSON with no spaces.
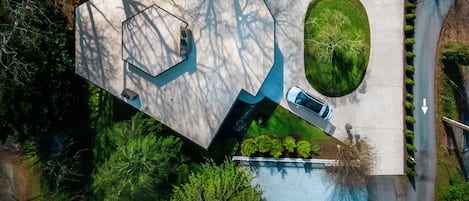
{"x":309,"y":103}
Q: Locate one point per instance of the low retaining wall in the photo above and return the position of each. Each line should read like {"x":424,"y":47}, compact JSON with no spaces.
{"x":317,"y":163}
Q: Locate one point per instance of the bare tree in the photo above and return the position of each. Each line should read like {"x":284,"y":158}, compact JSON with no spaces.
{"x":330,"y":37}
{"x":350,"y":173}
{"x":22,"y":25}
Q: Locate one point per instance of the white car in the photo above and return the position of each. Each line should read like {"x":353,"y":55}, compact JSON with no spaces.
{"x":309,"y":103}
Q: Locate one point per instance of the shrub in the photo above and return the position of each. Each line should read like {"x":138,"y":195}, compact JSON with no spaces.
{"x":409,"y":81}
{"x":411,"y":172}
{"x":304,"y":149}
{"x":249,"y":147}
{"x":277,"y":148}
{"x":410,"y":161}
{"x":409,"y":105}
{"x":410,"y":96}
{"x":409,"y":119}
{"x":410,"y":16}
{"x":409,"y":28}
{"x":409,"y":134}
{"x":410,"y":68}
{"x":410,"y":55}
{"x":410,"y":5}
{"x":316,"y":149}
{"x":411,"y":148}
{"x":289,"y":143}
{"x":409,"y":41}
{"x":264,"y":143}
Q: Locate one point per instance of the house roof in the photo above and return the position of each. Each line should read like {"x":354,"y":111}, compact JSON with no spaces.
{"x":232,"y":50}
{"x":150,"y":40}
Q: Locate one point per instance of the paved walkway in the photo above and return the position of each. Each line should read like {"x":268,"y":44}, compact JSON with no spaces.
{"x":375,"y":109}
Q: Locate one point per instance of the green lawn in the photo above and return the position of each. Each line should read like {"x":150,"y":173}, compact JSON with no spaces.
{"x":283,"y":123}
{"x":340,"y":70}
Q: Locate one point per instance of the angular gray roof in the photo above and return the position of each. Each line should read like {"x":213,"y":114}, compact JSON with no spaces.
{"x":232,"y":50}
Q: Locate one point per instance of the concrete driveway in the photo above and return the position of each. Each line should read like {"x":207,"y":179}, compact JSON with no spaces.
{"x":375,"y":109}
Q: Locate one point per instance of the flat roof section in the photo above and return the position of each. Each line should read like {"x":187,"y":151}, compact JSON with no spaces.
{"x":232,"y":50}
{"x":151,"y":40}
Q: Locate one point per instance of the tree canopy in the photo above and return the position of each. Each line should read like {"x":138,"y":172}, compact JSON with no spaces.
{"x":134,"y":163}
{"x":225,"y":182}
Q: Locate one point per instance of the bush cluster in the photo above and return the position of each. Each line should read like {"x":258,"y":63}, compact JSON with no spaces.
{"x":276,"y":147}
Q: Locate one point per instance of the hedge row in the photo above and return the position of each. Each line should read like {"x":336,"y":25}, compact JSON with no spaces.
{"x":409,"y":82}
{"x":276,"y":147}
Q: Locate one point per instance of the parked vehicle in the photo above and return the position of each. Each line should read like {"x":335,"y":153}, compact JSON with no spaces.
{"x":307,"y":102}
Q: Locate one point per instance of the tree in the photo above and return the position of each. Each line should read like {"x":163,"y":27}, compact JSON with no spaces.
{"x":329,"y":40}
{"x":139,"y":170}
{"x":213,"y":183}
{"x":351,"y":171}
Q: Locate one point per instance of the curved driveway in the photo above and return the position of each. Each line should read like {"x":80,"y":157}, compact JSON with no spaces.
{"x":430,"y":17}
{"x":375,"y":108}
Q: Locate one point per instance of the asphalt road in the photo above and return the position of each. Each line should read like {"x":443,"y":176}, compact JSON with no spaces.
{"x":430,"y":16}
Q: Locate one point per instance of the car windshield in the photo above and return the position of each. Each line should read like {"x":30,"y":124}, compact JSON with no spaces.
{"x":326,"y":112}
{"x":305,"y":101}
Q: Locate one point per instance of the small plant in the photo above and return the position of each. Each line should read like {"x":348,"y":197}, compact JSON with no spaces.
{"x":409,"y":82}
{"x":409,"y":105}
{"x":289,"y":143}
{"x":304,"y":149}
{"x":277,"y":148}
{"x":409,"y":41}
{"x":409,"y":28}
{"x":316,"y":149}
{"x":409,"y":134}
{"x":411,"y":172}
{"x":410,"y":55}
{"x":410,"y":97}
{"x":249,"y":147}
{"x":409,"y":119}
{"x":410,"y":161}
{"x":411,"y":148}
{"x":410,"y":16}
{"x":410,"y":68}
{"x":410,"y":5}
{"x":264,"y":143}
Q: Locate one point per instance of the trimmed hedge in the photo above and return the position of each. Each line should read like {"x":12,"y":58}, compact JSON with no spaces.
{"x":411,"y":172}
{"x":409,"y":82}
{"x":410,"y":5}
{"x":277,"y":148}
{"x":410,"y":97}
{"x":409,"y":41}
{"x":410,"y":55}
{"x":409,"y":28}
{"x":289,"y":143}
{"x":249,"y":147}
{"x":409,"y":105}
{"x":409,"y":134}
{"x":264,"y":143}
{"x":411,"y":148}
{"x":410,"y":119}
{"x":410,"y":68}
{"x":410,"y":16}
{"x":304,"y":149}
{"x":316,"y":149}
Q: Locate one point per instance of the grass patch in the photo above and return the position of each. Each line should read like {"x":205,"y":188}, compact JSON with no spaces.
{"x":283,"y":123}
{"x":448,"y":169}
{"x":343,"y":70}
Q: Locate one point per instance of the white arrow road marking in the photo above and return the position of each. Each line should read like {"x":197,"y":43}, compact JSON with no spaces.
{"x":424,"y":107}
